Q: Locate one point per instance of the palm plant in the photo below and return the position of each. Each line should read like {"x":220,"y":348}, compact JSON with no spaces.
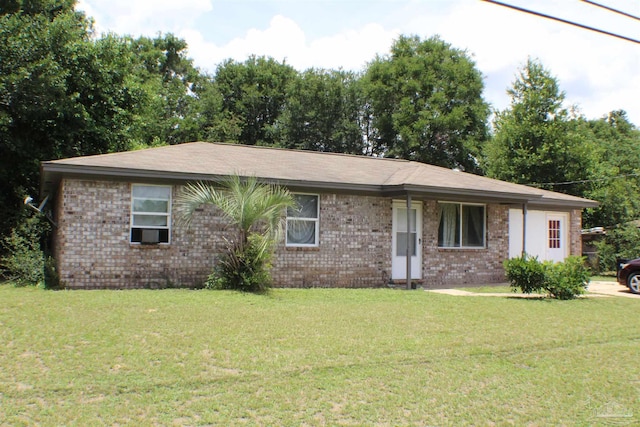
{"x":256,"y":212}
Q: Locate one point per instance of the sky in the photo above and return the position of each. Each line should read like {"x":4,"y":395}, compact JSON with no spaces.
{"x":598,"y":73}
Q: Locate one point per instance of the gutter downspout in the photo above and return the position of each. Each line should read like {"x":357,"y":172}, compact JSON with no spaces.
{"x":408,"y":253}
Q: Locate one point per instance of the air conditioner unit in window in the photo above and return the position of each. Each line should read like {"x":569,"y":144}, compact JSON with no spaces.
{"x":150,"y":237}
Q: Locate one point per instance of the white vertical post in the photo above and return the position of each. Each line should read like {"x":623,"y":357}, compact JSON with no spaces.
{"x":408,"y":241}
{"x":524,"y":228}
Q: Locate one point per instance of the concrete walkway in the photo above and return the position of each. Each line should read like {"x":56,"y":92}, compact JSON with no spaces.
{"x":611,"y":288}
{"x":595,"y":289}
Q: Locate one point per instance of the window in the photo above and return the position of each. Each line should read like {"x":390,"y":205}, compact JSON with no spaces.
{"x":401,"y":232}
{"x":302,"y":221}
{"x":461,"y":226}
{"x":554,"y":234}
{"x":150,"y":214}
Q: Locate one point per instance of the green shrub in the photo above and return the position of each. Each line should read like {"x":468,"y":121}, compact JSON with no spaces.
{"x":243,"y":268}
{"x":525,"y":273}
{"x":620,"y":242}
{"x":562,"y":280}
{"x":568,"y":279}
{"x":24,"y":262}
{"x":51,"y":277}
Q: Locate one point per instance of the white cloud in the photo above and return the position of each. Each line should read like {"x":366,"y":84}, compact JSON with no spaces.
{"x":352,"y":49}
{"x":285,"y":40}
{"x":594,"y":70}
{"x":597,"y":71}
{"x":144,"y":17}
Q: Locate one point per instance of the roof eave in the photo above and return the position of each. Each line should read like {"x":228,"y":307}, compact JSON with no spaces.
{"x":463,"y":194}
{"x":545,"y":203}
{"x":52,"y":172}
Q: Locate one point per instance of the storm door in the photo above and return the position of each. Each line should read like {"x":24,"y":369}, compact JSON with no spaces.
{"x":406,"y":228}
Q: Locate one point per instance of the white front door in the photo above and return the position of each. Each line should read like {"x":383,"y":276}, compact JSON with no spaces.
{"x":399,"y":240}
{"x":556,"y":237}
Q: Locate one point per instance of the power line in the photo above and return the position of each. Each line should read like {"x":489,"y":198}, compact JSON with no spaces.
{"x":628,"y":15}
{"x":564,"y":21}
{"x":583,"y":181}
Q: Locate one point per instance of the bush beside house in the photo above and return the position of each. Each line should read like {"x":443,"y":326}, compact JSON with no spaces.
{"x":25,"y":262}
{"x":561,"y":280}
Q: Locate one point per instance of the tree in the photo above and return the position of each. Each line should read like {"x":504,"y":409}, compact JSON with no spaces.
{"x":616,"y":184}
{"x":321,"y":113}
{"x":426,"y":104}
{"x":253,"y":97}
{"x":256,"y":211}
{"x":536,"y":140}
{"x":61,"y":95}
{"x":172,"y":113}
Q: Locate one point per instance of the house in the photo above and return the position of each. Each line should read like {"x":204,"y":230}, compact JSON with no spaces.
{"x":359,"y":220}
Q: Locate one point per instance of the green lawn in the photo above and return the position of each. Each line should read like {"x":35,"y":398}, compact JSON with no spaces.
{"x":607,"y":278}
{"x":314,"y":357}
{"x":500,"y":289}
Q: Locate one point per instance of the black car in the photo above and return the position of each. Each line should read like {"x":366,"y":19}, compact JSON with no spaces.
{"x":629,"y":275}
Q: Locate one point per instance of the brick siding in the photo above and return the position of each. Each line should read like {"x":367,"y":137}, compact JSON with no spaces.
{"x":575,"y":232}
{"x":354,"y":249}
{"x":465,"y":266}
{"x":92,"y":248}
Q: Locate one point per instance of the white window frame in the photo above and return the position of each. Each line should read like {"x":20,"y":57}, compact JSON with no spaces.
{"x":484,"y":225}
{"x":142,"y":213}
{"x":316,"y":221}
{"x":554,"y":234}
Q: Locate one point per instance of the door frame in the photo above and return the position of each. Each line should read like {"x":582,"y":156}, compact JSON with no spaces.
{"x":399,"y":263}
{"x":563,"y":237}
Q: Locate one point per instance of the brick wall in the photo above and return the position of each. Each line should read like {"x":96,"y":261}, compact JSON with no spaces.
{"x":92,"y":242}
{"x":575,"y":232}
{"x":354,"y":249}
{"x":92,"y":246}
{"x":465,"y":266}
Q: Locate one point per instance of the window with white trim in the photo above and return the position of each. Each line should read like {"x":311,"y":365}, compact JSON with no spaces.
{"x":462,"y":225}
{"x":554,"y":234}
{"x":303,"y":221}
{"x":150,"y":213}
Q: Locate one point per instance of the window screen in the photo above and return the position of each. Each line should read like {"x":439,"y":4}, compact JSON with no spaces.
{"x":150,"y":214}
{"x":302,"y":221}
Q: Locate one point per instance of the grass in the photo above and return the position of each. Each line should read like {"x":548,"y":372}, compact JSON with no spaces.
{"x":313,"y":357}
{"x":604,"y":278}
{"x":489,"y":289}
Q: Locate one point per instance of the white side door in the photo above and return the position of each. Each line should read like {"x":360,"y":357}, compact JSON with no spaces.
{"x":557,"y":239}
{"x":399,"y":240}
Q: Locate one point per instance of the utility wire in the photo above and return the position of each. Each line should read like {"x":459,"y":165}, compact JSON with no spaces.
{"x":585,"y":27}
{"x":628,"y":15}
{"x":583,"y":181}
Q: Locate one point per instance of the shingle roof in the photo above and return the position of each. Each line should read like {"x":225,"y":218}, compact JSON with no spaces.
{"x":298,"y":169}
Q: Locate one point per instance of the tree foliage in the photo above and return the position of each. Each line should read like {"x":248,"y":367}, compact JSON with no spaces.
{"x":172,"y":112}
{"x":616,"y":182}
{"x":426,"y":104}
{"x":24,"y":261}
{"x":61,"y":94}
{"x":619,"y":242}
{"x":64,"y":93}
{"x":321,"y":113}
{"x":536,"y":141}
{"x":253,"y":97}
